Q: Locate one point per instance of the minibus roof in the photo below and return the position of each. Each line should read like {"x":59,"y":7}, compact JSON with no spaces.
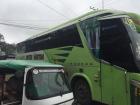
{"x":22,"y":64}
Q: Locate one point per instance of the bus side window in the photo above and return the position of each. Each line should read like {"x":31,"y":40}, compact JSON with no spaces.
{"x":67,"y":36}
{"x":91,"y":31}
{"x":38,"y":57}
{"x":29,"y":57}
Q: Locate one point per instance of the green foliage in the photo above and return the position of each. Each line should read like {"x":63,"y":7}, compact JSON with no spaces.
{"x":6,"y":47}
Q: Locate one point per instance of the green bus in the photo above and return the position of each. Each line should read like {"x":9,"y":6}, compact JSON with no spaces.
{"x":100,"y":52}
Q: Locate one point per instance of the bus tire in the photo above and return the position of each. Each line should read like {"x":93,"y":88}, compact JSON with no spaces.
{"x":82,"y":92}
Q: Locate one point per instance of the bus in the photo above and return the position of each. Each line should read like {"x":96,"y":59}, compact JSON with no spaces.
{"x":100,"y":52}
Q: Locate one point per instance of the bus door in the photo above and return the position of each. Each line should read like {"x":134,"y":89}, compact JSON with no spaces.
{"x":90,"y":28}
{"x":115,"y":54}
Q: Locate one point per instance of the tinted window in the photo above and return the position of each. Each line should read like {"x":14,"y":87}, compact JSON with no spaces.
{"x":29,"y":57}
{"x":68,"y":36}
{"x":115,"y":44}
{"x":38,"y":57}
{"x":91,"y":31}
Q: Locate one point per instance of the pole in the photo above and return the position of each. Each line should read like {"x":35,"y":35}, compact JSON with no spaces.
{"x":102,"y":4}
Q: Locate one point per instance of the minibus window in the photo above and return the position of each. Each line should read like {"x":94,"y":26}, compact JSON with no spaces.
{"x":45,"y":84}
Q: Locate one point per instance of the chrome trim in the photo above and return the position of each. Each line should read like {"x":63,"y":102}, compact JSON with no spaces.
{"x":103,"y":61}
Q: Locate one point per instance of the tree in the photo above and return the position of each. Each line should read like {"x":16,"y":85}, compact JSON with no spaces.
{"x":2,"y":38}
{"x":6,"y":48}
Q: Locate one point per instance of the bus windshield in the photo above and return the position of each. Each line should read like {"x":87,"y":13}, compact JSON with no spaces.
{"x":117,"y":42}
{"x":135,"y":39}
{"x":43,"y":84}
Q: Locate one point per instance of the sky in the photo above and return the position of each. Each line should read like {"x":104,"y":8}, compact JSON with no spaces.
{"x":36,"y":16}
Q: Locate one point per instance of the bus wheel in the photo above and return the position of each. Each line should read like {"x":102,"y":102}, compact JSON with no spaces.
{"x":82,"y":92}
